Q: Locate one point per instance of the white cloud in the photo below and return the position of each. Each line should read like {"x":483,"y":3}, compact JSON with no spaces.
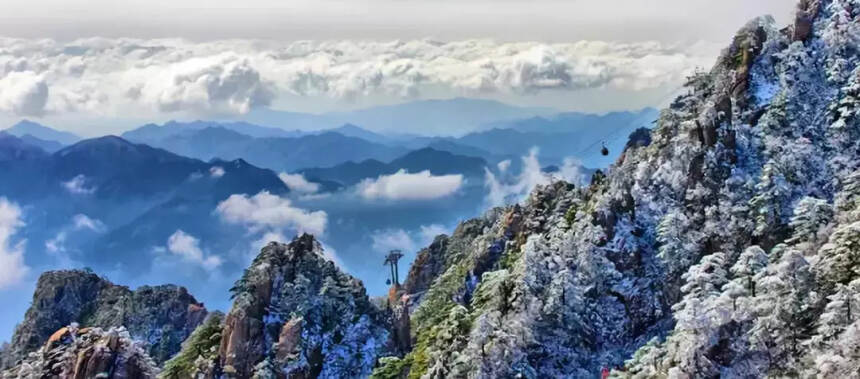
{"x":429,"y":232}
{"x":119,"y":76}
{"x":57,"y":244}
{"x":81,"y":221}
{"x":216,"y":171}
{"x":12,"y":266}
{"x":78,"y":186}
{"x":188,"y":248}
{"x":298,"y":183}
{"x":500,"y":193}
{"x":331,"y":254}
{"x":504,"y":165}
{"x":408,"y":242}
{"x":405,"y":186}
{"x":392,"y":239}
{"x":264,"y":240}
{"x":215,"y":84}
{"x":571,"y":172}
{"x":267,"y":211}
{"x":24,"y":94}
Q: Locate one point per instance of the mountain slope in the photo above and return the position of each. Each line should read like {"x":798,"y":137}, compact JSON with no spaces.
{"x":16,"y":149}
{"x":725,"y":247}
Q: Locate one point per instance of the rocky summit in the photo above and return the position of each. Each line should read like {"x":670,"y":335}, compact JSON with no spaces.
{"x":295,"y":315}
{"x":161,"y":317}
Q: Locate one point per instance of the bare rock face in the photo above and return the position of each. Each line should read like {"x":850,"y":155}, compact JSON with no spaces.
{"x":79,"y":353}
{"x":162,"y":316}
{"x":289,"y":340}
{"x":296,"y":315}
{"x":429,"y":263}
{"x":803,"y":20}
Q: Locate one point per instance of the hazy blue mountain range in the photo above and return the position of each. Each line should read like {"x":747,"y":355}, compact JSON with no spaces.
{"x":26,"y":127}
{"x":557,"y":137}
{"x":429,"y":117}
{"x":217,"y":140}
{"x":138,"y":194}
{"x":153,"y":133}
{"x":564,"y":135}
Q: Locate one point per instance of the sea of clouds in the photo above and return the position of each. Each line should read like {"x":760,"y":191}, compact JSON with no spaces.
{"x":111,"y":77}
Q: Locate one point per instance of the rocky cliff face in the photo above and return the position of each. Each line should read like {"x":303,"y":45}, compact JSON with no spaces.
{"x":295,"y":315}
{"x":161,"y":317}
{"x":725,"y":244}
{"x":78,"y":353}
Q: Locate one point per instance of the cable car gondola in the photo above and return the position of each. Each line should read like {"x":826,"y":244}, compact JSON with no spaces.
{"x":604,"y":150}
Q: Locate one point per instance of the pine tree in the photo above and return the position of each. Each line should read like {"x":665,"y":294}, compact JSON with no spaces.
{"x":839,"y":258}
{"x":677,"y":250}
{"x":784,"y":311}
{"x":745,"y":272}
{"x":841,"y":36}
{"x":843,"y":308}
{"x":811,"y":215}
{"x":697,"y":315}
{"x":848,"y":199}
{"x":767,"y":204}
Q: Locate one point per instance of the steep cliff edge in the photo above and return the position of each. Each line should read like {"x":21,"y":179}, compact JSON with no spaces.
{"x":726,"y":244}
{"x":161,"y":316}
{"x":295,"y":315}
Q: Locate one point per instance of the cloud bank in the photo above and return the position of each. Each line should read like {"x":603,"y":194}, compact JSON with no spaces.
{"x":12,"y":266}
{"x":216,"y":172}
{"x":405,"y":186}
{"x":506,"y":189}
{"x":112,"y":77}
{"x":265,"y":211}
{"x":78,"y":186}
{"x":187,"y":247}
{"x":298,"y":183}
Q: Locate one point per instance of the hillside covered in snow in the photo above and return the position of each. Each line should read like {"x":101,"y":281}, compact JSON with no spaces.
{"x":725,"y":244}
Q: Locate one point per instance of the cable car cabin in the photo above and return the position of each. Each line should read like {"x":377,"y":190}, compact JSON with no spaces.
{"x":604,"y":151}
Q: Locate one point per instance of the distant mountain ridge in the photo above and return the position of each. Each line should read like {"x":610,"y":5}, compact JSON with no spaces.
{"x":292,"y":151}
{"x":438,"y":162}
{"x":25,"y":127}
{"x":153,"y":133}
{"x":140,"y":194}
{"x":450,"y":117}
{"x":14,"y":148}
